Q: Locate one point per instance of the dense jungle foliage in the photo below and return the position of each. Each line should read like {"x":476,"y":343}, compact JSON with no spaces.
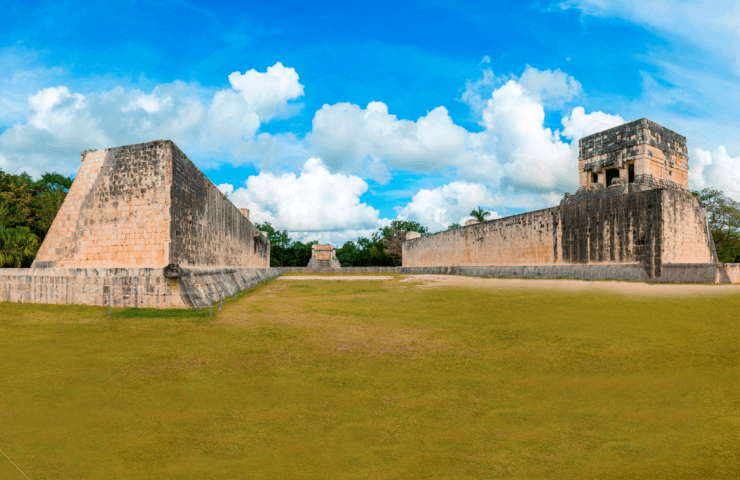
{"x":27,"y":209}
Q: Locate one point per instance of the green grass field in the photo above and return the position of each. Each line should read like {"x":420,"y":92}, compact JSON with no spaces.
{"x":375,"y":379}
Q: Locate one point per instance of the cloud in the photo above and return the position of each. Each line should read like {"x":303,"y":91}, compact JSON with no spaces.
{"x":255,"y":98}
{"x":712,"y":24}
{"x":21,"y":75}
{"x":59,"y":123}
{"x":313,"y":203}
{"x":581,"y":124}
{"x":350,"y":138}
{"x":266,"y":93}
{"x":715,"y":170}
{"x":513,"y":149}
{"x":515,"y":141}
{"x":553,"y":87}
{"x":440,"y":207}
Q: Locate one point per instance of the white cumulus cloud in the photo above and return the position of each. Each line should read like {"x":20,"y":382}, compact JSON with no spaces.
{"x":715,"y":170}
{"x":515,"y":149}
{"x":60,"y":123}
{"x":312,"y":204}
{"x":347,"y":136}
{"x":440,"y":207}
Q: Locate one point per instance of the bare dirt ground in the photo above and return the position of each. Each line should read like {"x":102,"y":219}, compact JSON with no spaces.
{"x":613,"y":287}
{"x":335,"y":277}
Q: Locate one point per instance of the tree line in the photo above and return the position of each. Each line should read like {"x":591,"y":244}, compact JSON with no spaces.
{"x":28,"y":208}
{"x":382,"y":249}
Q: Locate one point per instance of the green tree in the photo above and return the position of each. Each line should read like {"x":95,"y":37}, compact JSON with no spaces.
{"x":364,"y":252}
{"x":279,"y":243}
{"x":453,"y":226}
{"x":393,"y":235}
{"x":284,"y":252}
{"x":724,"y":222}
{"x":298,"y":254}
{"x":18,"y":247}
{"x":32,"y":205}
{"x":480,"y":214}
{"x":15,"y":196}
{"x":48,"y":194}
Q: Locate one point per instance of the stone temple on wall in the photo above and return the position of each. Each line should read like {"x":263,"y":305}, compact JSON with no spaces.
{"x":632,"y":218}
{"x":324,"y":256}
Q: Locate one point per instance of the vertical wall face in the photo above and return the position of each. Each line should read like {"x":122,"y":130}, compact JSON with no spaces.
{"x":116,"y":213}
{"x":651,"y":228}
{"x":686,"y":234}
{"x":207,"y":230}
{"x":526,"y":239}
{"x":618,"y":229}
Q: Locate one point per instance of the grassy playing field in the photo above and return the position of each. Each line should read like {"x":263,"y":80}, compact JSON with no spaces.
{"x":375,"y":379}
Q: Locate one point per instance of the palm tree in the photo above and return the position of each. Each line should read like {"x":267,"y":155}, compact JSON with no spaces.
{"x":16,"y":246}
{"x":480,"y":214}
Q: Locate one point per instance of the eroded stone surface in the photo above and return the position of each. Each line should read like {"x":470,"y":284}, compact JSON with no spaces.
{"x":148,"y":205}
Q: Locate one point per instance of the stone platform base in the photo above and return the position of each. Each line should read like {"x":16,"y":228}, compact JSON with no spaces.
{"x":671,"y":273}
{"x":129,"y":287}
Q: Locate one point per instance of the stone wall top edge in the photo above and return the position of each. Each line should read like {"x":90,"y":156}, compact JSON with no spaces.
{"x":137,"y":145}
{"x":220,"y":270}
{"x":487,"y":222}
{"x":643,"y":123}
{"x":100,"y":272}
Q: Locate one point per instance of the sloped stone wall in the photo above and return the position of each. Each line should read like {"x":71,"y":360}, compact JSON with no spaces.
{"x":206,"y":229}
{"x":128,"y":287}
{"x":116,"y":213}
{"x":148,"y":205}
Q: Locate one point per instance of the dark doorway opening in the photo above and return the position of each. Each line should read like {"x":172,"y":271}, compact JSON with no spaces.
{"x":631,"y":170}
{"x":611,"y":174}
{"x":594,"y":178}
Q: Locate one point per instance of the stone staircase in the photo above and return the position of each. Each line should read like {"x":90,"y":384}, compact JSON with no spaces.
{"x":324,"y":263}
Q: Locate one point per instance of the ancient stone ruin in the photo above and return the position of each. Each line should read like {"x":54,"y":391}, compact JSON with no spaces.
{"x":632,"y":218}
{"x":323,"y":257}
{"x":143,"y":226}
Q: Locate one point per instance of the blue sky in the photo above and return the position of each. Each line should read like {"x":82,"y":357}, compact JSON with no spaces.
{"x":330,"y":119}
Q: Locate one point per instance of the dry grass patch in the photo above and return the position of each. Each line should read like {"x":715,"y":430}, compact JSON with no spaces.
{"x":376,"y":379}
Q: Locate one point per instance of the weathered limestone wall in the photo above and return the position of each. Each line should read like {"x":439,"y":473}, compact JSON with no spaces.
{"x":672,"y":273}
{"x":686,"y":237}
{"x":147,"y":205}
{"x":650,"y":228}
{"x":129,"y":287}
{"x":730,"y":273}
{"x":116,"y":213}
{"x":206,"y":229}
{"x":526,"y":239}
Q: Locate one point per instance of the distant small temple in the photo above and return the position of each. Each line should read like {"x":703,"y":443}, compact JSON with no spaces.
{"x":324,"y":256}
